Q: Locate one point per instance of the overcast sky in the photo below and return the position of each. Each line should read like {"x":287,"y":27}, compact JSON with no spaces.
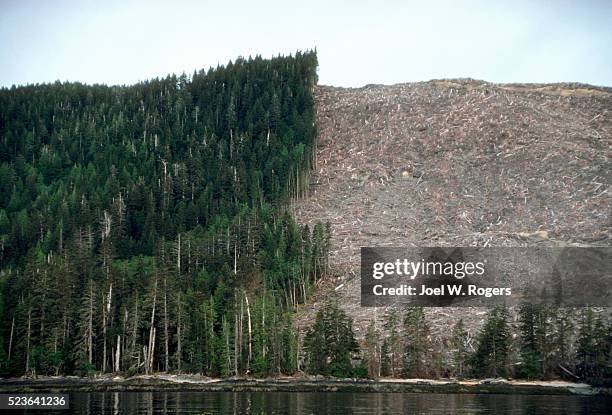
{"x":358,"y":42}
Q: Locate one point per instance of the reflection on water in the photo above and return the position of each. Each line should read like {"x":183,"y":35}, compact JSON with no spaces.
{"x":329,"y":403}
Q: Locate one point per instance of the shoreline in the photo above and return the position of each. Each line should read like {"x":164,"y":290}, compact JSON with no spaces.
{"x":193,"y":383}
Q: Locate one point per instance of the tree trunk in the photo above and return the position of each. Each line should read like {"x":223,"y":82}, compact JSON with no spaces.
{"x":178,"y":255}
{"x":229,"y":357}
{"x":105,"y":314}
{"x":263,"y":324}
{"x":235,"y":258}
{"x":134,"y":345}
{"x":236,"y":343}
{"x":118,"y":354}
{"x":250,"y":331}
{"x":297,"y":353}
{"x":166,"y":324}
{"x":152,"y":351}
{"x":149,"y":356}
{"x":240,"y":334}
{"x":179,"y":334}
{"x":28,"y":340}
{"x":11,"y":338}
{"x":90,"y":327}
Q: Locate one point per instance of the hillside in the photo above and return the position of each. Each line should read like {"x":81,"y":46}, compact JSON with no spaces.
{"x":456,"y":163}
{"x":179,"y":224}
{"x":142,"y":227}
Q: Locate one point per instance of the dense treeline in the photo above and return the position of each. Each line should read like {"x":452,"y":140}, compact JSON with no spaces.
{"x":142,"y":227}
{"x":541,"y":342}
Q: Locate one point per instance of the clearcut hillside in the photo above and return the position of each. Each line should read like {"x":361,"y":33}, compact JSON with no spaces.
{"x":456,"y":163}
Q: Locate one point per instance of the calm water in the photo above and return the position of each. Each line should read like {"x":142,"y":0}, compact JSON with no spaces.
{"x":329,"y":403}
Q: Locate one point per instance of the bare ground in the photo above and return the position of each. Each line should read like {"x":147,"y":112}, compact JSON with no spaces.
{"x":456,"y":163}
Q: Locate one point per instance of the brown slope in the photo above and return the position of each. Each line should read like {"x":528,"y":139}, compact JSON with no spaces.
{"x":456,"y":163}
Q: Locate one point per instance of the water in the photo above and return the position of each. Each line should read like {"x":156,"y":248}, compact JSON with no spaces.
{"x":163,"y":402}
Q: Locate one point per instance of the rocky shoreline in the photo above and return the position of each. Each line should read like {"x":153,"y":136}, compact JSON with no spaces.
{"x":164,"y":382}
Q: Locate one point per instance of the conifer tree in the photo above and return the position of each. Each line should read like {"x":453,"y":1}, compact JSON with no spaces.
{"x":593,"y":349}
{"x":394,"y":342}
{"x":531,"y":350}
{"x":494,"y":343}
{"x":460,"y":349}
{"x":330,"y":342}
{"x":385,"y":364}
{"x":373,"y":352}
{"x":416,"y":344}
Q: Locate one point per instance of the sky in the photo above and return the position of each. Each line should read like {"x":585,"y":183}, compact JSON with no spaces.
{"x":358,"y":42}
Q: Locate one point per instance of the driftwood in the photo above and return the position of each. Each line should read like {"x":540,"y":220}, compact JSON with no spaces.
{"x":568,"y":372}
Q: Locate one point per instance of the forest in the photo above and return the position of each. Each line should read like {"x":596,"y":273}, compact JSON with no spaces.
{"x":143,"y":228}
{"x":532,"y":341}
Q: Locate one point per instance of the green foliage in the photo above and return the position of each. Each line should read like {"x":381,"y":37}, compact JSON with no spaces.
{"x":160,"y":157}
{"x":534,"y":329}
{"x":46,"y":362}
{"x":3,"y":355}
{"x":385,"y":363}
{"x":530,"y":367}
{"x":260,"y":366}
{"x":494,"y":342}
{"x":594,"y":347}
{"x":372,"y":351}
{"x":416,"y":343}
{"x":147,"y":221}
{"x":393,"y":342}
{"x":330,"y":342}
{"x":86,"y":368}
{"x":460,"y":349}
{"x":360,"y":372}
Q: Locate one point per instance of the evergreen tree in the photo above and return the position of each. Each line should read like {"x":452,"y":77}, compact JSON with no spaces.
{"x":593,"y":351}
{"x":330,"y":343}
{"x":416,"y":344}
{"x":372,"y":351}
{"x":494,"y":342}
{"x":385,"y":364}
{"x":531,"y":350}
{"x":562,"y":337}
{"x":460,"y":349}
{"x":394,"y":342}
